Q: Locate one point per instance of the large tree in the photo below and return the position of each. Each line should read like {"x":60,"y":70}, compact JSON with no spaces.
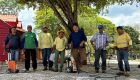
{"x":69,"y":8}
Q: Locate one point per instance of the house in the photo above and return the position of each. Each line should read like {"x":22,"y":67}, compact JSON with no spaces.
{"x":6,"y":22}
{"x":4,"y":30}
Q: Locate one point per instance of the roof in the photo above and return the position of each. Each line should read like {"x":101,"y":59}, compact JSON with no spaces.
{"x":4,"y":24}
{"x":9,"y":18}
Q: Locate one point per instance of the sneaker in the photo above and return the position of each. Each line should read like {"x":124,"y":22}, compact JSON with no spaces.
{"x":96,"y":71}
{"x":34,"y":70}
{"x":126,"y":74}
{"x":26,"y":71}
{"x":55,"y":70}
{"x":50,"y":68}
{"x":60,"y":70}
{"x":45,"y":68}
{"x":103,"y":71}
{"x":120,"y":73}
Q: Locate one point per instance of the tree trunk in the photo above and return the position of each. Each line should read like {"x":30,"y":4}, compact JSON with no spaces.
{"x":66,"y":7}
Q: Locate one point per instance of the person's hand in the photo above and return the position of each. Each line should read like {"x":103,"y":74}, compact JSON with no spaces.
{"x":129,"y":48}
{"x":93,"y":46}
{"x":53,"y":50}
{"x":82,"y":44}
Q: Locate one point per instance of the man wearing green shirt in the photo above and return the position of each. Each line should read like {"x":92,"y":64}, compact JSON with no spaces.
{"x":29,"y":43}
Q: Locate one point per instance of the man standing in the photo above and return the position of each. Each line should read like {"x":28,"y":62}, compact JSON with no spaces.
{"x":99,"y":41}
{"x":46,"y":44}
{"x":29,"y":43}
{"x":123,"y":45}
{"x":12,"y":44}
{"x":77,"y":39}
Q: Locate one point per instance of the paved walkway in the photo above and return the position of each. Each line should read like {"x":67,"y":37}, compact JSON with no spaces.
{"x":87,"y":74}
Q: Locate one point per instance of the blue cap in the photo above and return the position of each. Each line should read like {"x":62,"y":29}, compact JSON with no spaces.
{"x":100,"y":27}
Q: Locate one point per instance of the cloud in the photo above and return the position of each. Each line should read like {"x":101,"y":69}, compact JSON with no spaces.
{"x":122,"y":19}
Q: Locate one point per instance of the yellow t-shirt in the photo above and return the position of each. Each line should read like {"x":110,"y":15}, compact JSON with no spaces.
{"x":60,"y":43}
{"x":122,"y":41}
{"x":45,"y":40}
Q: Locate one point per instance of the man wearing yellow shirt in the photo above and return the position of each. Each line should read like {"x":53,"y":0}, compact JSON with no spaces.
{"x":59,"y":46}
{"x":46,"y":44}
{"x":123,"y":45}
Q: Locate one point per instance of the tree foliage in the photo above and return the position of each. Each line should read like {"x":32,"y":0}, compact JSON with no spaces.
{"x":9,"y":7}
{"x":70,"y":8}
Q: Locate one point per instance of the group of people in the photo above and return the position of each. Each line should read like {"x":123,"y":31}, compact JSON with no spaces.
{"x":76,"y":41}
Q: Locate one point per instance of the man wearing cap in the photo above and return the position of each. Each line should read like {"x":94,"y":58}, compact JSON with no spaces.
{"x":29,"y":44}
{"x":99,"y":41}
{"x":46,"y":44}
{"x":123,"y":45}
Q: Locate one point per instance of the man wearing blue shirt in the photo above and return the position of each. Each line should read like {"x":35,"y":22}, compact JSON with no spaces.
{"x":77,"y":40}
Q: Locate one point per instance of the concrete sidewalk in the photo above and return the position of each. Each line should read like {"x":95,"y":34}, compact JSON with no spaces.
{"x":87,"y":74}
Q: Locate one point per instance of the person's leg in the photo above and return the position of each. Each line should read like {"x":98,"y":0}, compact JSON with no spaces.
{"x":44,"y":58}
{"x":56,"y":60}
{"x":12,"y":56}
{"x":82,"y":56}
{"x":125,"y":58}
{"x":17,"y":55}
{"x":48,"y":57}
{"x":27,"y":59}
{"x":97,"y":58}
{"x":34,"y":61}
{"x":62,"y":55}
{"x":74,"y":54}
{"x":103,"y":56}
{"x":120,"y":58}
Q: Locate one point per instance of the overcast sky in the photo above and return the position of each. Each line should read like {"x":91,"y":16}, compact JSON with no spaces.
{"x":119,"y":15}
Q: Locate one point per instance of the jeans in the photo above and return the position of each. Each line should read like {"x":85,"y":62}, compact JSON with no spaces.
{"x":100,"y":53}
{"x":122,"y":55}
{"x":62,"y":58}
{"x":14,"y":54}
{"x":30,"y":53}
{"x":46,"y":52}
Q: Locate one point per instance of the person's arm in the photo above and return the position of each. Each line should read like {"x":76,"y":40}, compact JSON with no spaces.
{"x":54,"y":45}
{"x":19,"y":41}
{"x":36,"y":42}
{"x":23,"y":41}
{"x":69,"y":40}
{"x":129,"y":42}
{"x":51,"y":39}
{"x":115,"y":42}
{"x":84,"y":39}
{"x":6,"y":41}
{"x":92,"y":41}
{"x":39,"y":40}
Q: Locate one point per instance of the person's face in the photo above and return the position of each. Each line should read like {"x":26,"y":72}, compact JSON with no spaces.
{"x":61,"y":34}
{"x":29,"y":29}
{"x":13,"y":30}
{"x":120,"y":31}
{"x":45,"y":30}
{"x":75,"y":28}
{"x":101,"y":30}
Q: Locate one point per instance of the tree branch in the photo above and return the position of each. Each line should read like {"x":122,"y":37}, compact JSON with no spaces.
{"x":57,"y":14}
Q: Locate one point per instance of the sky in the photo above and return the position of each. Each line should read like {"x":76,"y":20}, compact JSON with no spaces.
{"x":119,"y":15}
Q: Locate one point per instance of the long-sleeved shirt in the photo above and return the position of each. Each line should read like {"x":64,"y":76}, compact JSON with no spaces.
{"x":45,"y":40}
{"x":122,"y":41}
{"x":29,"y":41}
{"x":12,"y":41}
{"x":76,"y":38}
{"x":100,"y":40}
